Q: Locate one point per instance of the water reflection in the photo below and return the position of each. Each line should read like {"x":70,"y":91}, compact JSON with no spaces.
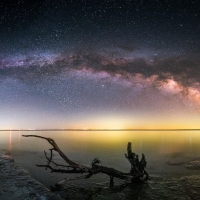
{"x":19,"y":135}
{"x":10,"y":142}
{"x":82,"y":146}
{"x":156,"y":142}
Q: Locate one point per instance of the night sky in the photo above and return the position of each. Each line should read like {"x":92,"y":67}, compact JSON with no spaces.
{"x":99,"y":64}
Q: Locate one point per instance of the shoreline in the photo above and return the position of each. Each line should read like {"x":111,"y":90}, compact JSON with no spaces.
{"x":140,"y":129}
{"x":16,"y":183}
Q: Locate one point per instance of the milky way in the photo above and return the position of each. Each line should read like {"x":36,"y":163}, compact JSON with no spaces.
{"x":100,"y":65}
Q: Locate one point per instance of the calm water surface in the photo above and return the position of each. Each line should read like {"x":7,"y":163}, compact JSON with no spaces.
{"x":165,"y":151}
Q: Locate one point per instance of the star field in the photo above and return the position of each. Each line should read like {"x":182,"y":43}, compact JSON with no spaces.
{"x":99,"y":64}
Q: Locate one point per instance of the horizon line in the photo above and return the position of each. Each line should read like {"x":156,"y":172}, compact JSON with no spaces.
{"x":175,"y":129}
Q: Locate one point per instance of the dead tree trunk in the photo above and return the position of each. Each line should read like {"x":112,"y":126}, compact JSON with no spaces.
{"x":137,"y":167}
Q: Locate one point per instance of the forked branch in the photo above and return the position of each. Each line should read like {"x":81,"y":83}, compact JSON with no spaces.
{"x":137,"y":167}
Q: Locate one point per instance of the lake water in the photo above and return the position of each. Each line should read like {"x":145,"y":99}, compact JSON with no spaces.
{"x":165,"y":151}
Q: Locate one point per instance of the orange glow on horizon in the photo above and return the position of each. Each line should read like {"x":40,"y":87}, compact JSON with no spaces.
{"x":173,"y":122}
{"x":154,"y":121}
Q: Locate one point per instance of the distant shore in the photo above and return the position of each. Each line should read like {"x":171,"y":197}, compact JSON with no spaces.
{"x":198,"y":129}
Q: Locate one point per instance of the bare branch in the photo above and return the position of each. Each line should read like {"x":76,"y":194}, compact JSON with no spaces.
{"x":56,"y":148}
{"x":137,"y":167}
{"x":72,"y":171}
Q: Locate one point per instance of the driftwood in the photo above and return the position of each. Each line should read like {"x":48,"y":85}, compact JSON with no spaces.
{"x":137,"y":167}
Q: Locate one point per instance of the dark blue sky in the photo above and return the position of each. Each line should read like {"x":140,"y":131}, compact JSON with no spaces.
{"x":99,"y":64}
